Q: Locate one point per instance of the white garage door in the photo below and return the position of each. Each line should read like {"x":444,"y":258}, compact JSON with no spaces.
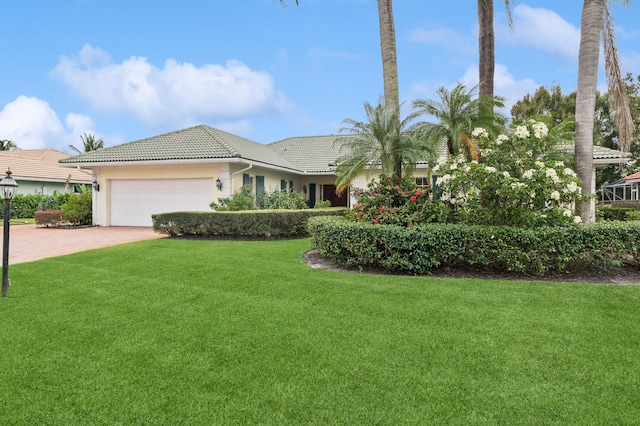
{"x":134,"y":201}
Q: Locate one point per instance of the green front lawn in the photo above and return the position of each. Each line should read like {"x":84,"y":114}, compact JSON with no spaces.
{"x":226,"y":332}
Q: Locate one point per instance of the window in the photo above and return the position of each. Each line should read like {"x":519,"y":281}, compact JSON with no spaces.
{"x":290,"y":186}
{"x":422,"y":182}
{"x":283,"y":185}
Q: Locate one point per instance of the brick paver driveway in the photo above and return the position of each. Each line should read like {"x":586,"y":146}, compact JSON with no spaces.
{"x":30,"y":242}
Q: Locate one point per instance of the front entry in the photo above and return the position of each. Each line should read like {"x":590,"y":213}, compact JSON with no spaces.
{"x":337,"y":199}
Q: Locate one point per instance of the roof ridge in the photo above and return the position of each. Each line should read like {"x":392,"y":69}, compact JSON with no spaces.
{"x":212,"y":131}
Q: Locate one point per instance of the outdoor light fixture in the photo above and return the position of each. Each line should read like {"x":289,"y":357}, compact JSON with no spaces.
{"x":304,"y":188}
{"x":219,"y":184}
{"x":96,"y":186}
{"x":8,"y":188}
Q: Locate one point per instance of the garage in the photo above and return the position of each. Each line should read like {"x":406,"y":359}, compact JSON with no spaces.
{"x":134,"y":201}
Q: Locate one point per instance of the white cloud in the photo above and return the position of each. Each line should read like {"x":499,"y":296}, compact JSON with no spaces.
{"x":542,"y":29}
{"x":504,"y":85}
{"x":178,"y":94}
{"x":442,"y":36}
{"x":32,"y":124}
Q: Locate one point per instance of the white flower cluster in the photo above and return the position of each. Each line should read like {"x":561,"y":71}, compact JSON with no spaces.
{"x":479,"y":132}
{"x":501,"y":139}
{"x":572,"y":187}
{"x":528,"y":174}
{"x":553,"y":175}
{"x":540,"y":130}
{"x":521,"y":132}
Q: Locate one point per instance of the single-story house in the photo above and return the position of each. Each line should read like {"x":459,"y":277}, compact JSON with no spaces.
{"x":188,"y":169}
{"x":38,"y":171}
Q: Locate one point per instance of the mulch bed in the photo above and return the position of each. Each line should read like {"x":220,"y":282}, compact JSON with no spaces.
{"x":583,"y":273}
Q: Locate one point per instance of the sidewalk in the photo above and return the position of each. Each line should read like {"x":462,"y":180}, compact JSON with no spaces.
{"x":28,"y":243}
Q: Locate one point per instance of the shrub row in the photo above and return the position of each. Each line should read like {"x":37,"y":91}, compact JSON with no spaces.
{"x":617,"y":213}
{"x":254,"y":224}
{"x":421,"y":249}
{"x":25,"y":205}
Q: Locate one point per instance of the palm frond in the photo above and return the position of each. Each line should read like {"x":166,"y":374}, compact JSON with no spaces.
{"x":618,"y":97}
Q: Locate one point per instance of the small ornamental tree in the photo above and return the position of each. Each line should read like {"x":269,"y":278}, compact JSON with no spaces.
{"x":393,"y":201}
{"x":513,"y":184}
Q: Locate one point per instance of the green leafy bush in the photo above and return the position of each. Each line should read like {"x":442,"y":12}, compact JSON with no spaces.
{"x":612,"y":213}
{"x":258,"y":224}
{"x":393,"y":201}
{"x":632,"y":215}
{"x":421,"y":249}
{"x":324,"y":204}
{"x":519,"y":181}
{"x":25,"y":205}
{"x":77,"y":209}
{"x":283,"y":200}
{"x":242,"y":200}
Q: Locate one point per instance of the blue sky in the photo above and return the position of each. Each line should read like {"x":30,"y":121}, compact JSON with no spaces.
{"x":129,"y":69}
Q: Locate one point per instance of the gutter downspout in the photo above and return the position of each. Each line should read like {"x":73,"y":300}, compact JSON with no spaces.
{"x":238,"y":172}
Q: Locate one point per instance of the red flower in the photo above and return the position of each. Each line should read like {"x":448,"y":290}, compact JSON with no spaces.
{"x":361,"y":214}
{"x":418,"y":192}
{"x":409,"y":225}
{"x":375,"y":194}
{"x":376,"y":220}
{"x":413,"y":199}
{"x":382,"y":209}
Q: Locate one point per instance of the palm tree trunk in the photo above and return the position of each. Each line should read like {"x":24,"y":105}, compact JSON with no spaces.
{"x":486,"y":41}
{"x":590,"y":28}
{"x":389,"y":69}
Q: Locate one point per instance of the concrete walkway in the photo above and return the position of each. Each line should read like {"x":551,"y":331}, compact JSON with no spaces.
{"x":28,"y":243}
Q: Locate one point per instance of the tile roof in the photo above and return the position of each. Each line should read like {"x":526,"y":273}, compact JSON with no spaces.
{"x":635,"y":176}
{"x":312,"y":154}
{"x":599,"y":152}
{"x":195,"y":143}
{"x":40,"y":164}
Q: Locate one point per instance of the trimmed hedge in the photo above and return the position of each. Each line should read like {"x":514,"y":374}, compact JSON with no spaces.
{"x":48,"y":217}
{"x":421,"y":249}
{"x":250,"y":224}
{"x":612,"y":213}
{"x":24,"y":206}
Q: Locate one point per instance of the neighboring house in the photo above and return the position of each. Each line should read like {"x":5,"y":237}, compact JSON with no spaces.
{"x":38,"y":171}
{"x":188,"y":169}
{"x":623,"y":192}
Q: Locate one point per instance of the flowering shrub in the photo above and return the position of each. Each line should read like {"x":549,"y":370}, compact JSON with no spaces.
{"x":515,"y":183}
{"x":393,"y":201}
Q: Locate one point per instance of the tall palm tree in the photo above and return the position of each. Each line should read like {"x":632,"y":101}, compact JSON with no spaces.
{"x":389,"y":68}
{"x":7,"y":145}
{"x":89,"y":142}
{"x":486,"y":44}
{"x":457,"y":113}
{"x":380,"y":142}
{"x":596,"y":20}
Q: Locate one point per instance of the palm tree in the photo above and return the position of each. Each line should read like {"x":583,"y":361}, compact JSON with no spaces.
{"x":596,"y":20}
{"x":378,"y":143}
{"x":457,"y":113}
{"x":486,"y":44}
{"x":7,"y":145}
{"x":389,"y":69}
{"x":89,"y":142}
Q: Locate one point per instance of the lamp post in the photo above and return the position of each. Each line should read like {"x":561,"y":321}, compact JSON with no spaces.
{"x":8,"y":188}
